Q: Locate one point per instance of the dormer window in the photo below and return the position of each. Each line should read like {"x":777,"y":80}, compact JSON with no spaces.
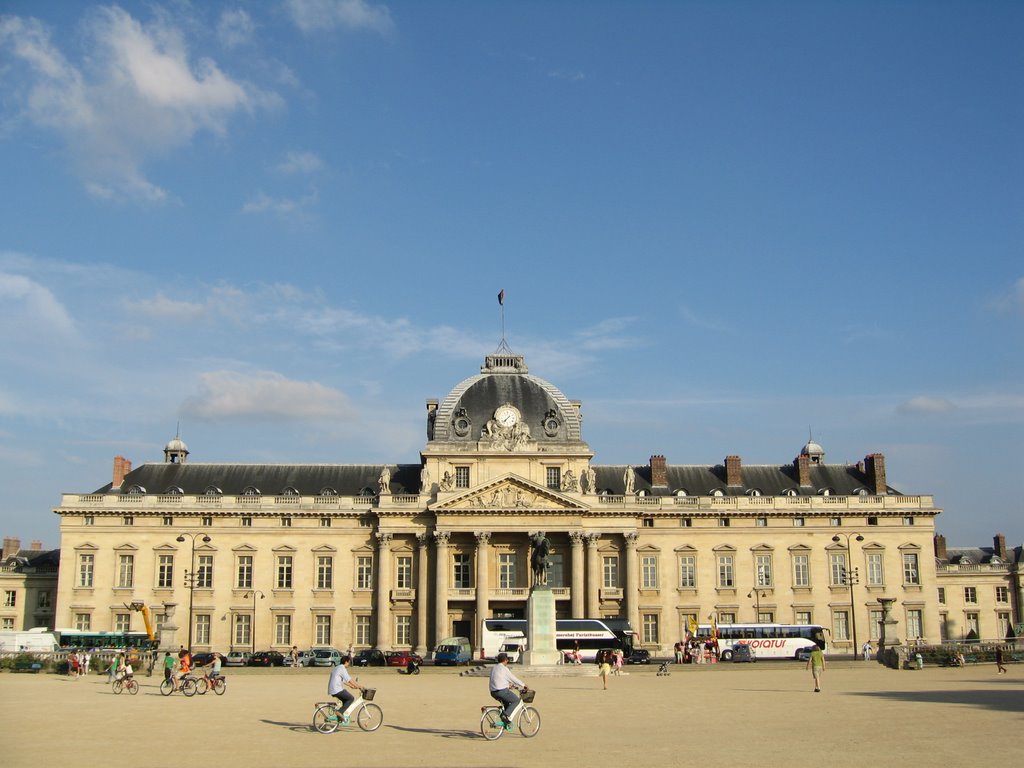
{"x":826,"y":492}
{"x":251,"y":491}
{"x":681,"y":492}
{"x":789,"y":492}
{"x":136,"y":490}
{"x":212,"y":490}
{"x":718,"y":492}
{"x":328,"y":492}
{"x":289,"y":491}
{"x":753,"y":492}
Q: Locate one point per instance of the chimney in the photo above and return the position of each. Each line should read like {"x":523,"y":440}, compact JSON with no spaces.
{"x":803,"y":470}
{"x":999,"y":546}
{"x":733,"y":474}
{"x":121,"y":468}
{"x":659,"y":472}
{"x":940,"y":546}
{"x":875,"y":466}
{"x":11,"y":546}
{"x":36,"y":545}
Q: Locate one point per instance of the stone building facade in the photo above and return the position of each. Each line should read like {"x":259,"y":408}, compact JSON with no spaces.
{"x":28,"y":585}
{"x":402,"y":555}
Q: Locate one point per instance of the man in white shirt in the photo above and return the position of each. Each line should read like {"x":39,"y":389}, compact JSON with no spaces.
{"x":340,"y":680}
{"x":501,"y":683}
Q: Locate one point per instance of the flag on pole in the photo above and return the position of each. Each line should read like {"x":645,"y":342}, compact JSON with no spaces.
{"x":501,"y":297}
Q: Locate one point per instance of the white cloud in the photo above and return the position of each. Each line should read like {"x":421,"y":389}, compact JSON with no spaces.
{"x":30,"y":307}
{"x":312,"y":15}
{"x":573,"y":76}
{"x":162,"y":307}
{"x":284,"y":207}
{"x":299,"y":162}
{"x":139,"y":94}
{"x":235,"y":28}
{"x":925,"y":404}
{"x":264,"y":396}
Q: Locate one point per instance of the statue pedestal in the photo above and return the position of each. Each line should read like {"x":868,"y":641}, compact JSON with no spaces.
{"x":540,"y":636}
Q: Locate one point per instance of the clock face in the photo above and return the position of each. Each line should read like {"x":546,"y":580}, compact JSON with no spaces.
{"x":506,"y":416}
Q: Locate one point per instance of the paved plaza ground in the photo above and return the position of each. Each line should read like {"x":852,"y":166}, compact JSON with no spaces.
{"x":725,"y":715}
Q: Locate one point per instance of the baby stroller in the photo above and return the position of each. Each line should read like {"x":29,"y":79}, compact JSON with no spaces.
{"x":663,"y":670}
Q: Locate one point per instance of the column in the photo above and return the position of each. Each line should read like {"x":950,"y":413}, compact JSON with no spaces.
{"x":384,"y":590}
{"x":577,"y":594}
{"x":441,"y":586}
{"x":422,"y":589}
{"x":593,"y":576}
{"x":632,"y":580}
{"x":482,"y":591}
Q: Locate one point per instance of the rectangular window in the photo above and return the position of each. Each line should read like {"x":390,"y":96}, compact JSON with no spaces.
{"x":247,"y":522}
{"x":944,"y":627}
{"x":243,"y":629}
{"x":283,"y":629}
{"x":462,"y":477}
{"x":872,"y":521}
{"x":726,"y":617}
{"x":942,"y":594}
{"x":835,"y":522}
{"x":875,"y":624}
{"x":766,"y":617}
{"x":688,"y":572}
{"x":128,"y":520}
{"x":403,"y":630}
{"x":723,"y":522}
{"x":725,"y":572}
{"x":972,"y":624}
{"x":648,"y":522}
{"x":122,"y":622}
{"x":207,"y":522}
{"x":403,"y":575}
{"x":508,"y":570}
{"x":325,"y":522}
{"x":83,"y":622}
{"x":649,"y":571}
{"x":1003,"y":620}
{"x":686,"y":522}
{"x":876,"y":572}
{"x":763,"y":563}
{"x":10,"y":598}
{"x":88,"y":520}
{"x":610,"y":570}
{"x":204,"y":572}
{"x":554,"y":478}
{"x":244,"y":580}
{"x":325,"y":572}
{"x":801,"y":570}
{"x":761,"y":522}
{"x":914,"y":623}
{"x":837,"y":569}
{"x":362,"y":630}
{"x":650,"y":622}
{"x":798,"y":522}
{"x":284,"y":571}
{"x":286,"y":522}
{"x":1002,"y":596}
{"x":203,"y":626}
{"x":463,"y":577}
{"x":911,"y":574}
{"x":803,"y":617}
{"x":125,"y":571}
{"x":364,"y":572}
{"x":85,"y":570}
{"x":44,"y":600}
{"x":908,"y":521}
{"x":556,"y":570}
{"x":165,"y":572}
{"x":322,"y":628}
{"x":168,"y":520}
{"x":841,"y":625}
{"x":970,"y":595}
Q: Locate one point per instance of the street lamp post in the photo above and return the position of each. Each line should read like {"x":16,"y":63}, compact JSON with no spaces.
{"x":851,"y":579}
{"x":252,"y":629}
{"x":757,"y":595}
{"x":190,"y":577}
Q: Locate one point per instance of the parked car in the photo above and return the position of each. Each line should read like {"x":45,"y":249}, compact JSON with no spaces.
{"x":236,"y":659}
{"x":370,"y":657}
{"x":804,"y":654}
{"x":639,"y":656}
{"x":741,"y":652}
{"x":402,"y":658}
{"x":306,"y":658}
{"x":202,"y":659}
{"x":453,"y":650}
{"x":266,"y":659}
{"x":326,"y":657}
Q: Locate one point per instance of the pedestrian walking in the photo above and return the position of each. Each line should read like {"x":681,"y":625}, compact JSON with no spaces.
{"x":1000,"y":669}
{"x":867,"y":651}
{"x":816,"y":663}
{"x":605,"y":669}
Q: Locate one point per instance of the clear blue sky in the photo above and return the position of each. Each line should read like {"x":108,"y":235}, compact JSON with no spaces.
{"x":718,"y":224}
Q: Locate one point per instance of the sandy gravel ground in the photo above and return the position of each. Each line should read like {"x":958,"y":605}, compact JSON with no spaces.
{"x":725,"y":715}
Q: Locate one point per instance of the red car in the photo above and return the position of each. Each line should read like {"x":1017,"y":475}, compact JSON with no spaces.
{"x":402,"y":658}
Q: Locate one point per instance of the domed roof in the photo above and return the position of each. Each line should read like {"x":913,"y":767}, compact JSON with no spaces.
{"x":812,"y":449}
{"x":539,"y":411}
{"x":177,"y":445}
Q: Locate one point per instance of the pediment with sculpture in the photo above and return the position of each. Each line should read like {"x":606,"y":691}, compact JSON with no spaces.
{"x":509,"y":493}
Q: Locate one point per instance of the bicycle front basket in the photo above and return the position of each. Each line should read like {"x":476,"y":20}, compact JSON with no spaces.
{"x":528,"y":696}
{"x":369,"y":693}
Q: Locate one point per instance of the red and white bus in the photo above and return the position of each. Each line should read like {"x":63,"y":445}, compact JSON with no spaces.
{"x":767,"y":641}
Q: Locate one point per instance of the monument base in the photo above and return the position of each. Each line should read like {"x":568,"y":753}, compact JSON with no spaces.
{"x":540,"y":635}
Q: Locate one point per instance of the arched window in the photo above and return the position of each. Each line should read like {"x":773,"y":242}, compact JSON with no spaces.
{"x":251,"y":490}
{"x":213,"y":490}
{"x":137,"y":490}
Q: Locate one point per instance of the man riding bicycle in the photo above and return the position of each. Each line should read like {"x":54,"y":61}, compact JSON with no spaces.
{"x":501,"y":683}
{"x":339,"y":680}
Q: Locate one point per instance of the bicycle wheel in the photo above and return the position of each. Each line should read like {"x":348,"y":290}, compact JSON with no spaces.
{"x":188,"y":686}
{"x":370,"y":717}
{"x":491,"y":726}
{"x":529,"y":722}
{"x":219,"y":686}
{"x":132,"y":686}
{"x":202,"y":685}
{"x":166,"y":687}
{"x":326,"y":719}
{"x":117,"y":687}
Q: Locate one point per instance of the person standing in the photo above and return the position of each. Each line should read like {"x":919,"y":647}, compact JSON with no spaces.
{"x":1000,"y":669}
{"x":867,"y":650}
{"x":816,"y":663}
{"x":339,"y":680}
{"x":168,"y":665}
{"x":295,"y":657}
{"x":605,"y":667}
{"x":500,"y":685}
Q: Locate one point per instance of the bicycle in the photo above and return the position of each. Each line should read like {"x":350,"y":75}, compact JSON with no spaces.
{"x":126,"y":683}
{"x":525,"y":716}
{"x":327,"y":716}
{"x":187,"y":685}
{"x":206,"y":683}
